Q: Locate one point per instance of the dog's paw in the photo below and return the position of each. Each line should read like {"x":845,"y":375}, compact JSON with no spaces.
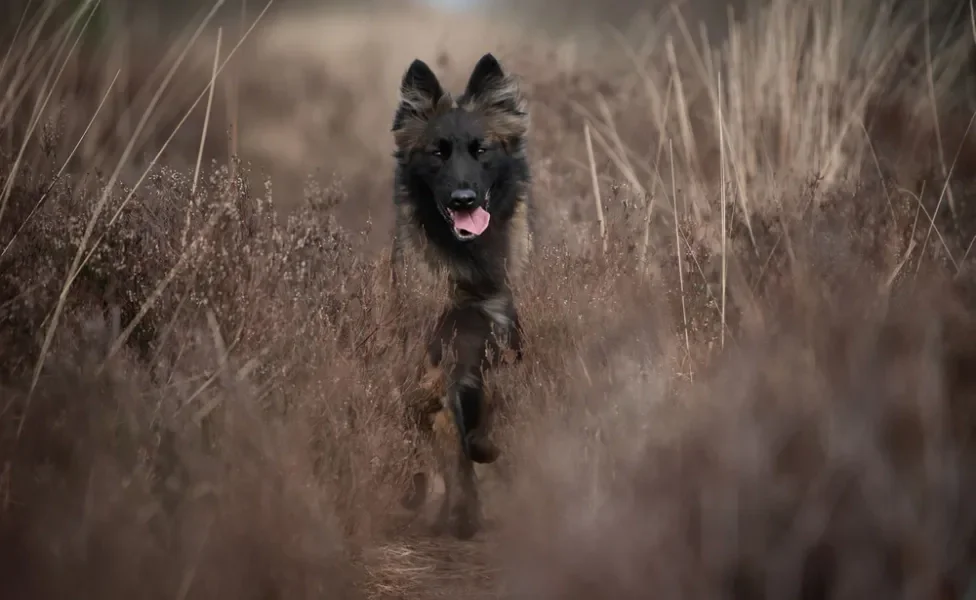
{"x":481,"y":449}
{"x":467,"y":520}
{"x":439,"y":527}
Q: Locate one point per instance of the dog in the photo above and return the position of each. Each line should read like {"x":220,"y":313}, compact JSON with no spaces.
{"x":463,"y":226}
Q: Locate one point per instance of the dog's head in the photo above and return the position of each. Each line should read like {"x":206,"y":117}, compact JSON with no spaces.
{"x":459,"y":157}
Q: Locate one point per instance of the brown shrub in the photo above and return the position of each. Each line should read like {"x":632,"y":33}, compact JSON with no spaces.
{"x":832,"y":462}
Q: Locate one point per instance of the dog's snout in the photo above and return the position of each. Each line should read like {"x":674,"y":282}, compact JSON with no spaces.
{"x":463,"y":198}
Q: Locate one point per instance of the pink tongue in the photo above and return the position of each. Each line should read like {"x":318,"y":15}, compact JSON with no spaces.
{"x":473,"y":221}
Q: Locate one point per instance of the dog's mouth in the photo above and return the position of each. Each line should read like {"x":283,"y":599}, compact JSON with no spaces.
{"x":469,"y":224}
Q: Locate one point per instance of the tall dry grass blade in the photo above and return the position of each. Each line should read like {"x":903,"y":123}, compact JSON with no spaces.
{"x":741,"y":160}
{"x":596,"y":188}
{"x":612,"y":132}
{"x":699,"y":56}
{"x":620,"y":161}
{"x":877,"y":165}
{"x":677,"y":253}
{"x":934,"y":105}
{"x":969,"y":249}
{"x":972,"y":18}
{"x":646,"y":238}
{"x":725,"y":259}
{"x":658,"y":180}
{"x":206,"y":118}
{"x":689,"y":146}
{"x":234,"y":101}
{"x":890,"y":280}
{"x":942,"y":195}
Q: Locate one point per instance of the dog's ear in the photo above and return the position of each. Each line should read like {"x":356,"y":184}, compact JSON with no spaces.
{"x":487,"y":74}
{"x":420,"y":94}
{"x":496,"y":95}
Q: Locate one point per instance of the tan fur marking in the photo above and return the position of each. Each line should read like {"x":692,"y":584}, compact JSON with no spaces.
{"x":501,"y":124}
{"x":424,"y":266}
{"x":444,"y":433}
{"x":505,"y":90}
{"x":502,"y":127}
{"x":426,"y":399}
{"x":420,"y":266}
{"x":432,"y":381}
{"x":443,"y":424}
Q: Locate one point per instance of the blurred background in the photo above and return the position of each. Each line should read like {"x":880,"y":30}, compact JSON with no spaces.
{"x":310,"y":92}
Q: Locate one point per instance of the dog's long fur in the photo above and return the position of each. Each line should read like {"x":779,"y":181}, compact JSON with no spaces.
{"x":475,"y":144}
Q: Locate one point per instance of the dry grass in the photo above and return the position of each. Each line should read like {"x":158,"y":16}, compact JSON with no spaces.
{"x":749,"y":374}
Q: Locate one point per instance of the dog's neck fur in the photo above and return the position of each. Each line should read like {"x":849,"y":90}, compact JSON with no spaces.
{"x":468,"y":264}
{"x":472,"y":268}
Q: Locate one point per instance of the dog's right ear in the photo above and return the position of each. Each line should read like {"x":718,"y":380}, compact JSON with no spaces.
{"x":420,"y":80}
{"x":420,"y":94}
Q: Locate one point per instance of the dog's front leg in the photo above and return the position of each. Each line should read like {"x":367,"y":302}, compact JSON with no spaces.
{"x":423,"y":405}
{"x":470,"y":414}
{"x":467,"y":510}
{"x":460,"y":508}
{"x":445,"y":449}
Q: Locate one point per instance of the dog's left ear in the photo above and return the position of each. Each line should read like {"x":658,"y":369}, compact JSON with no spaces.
{"x":493,"y":91}
{"x":487,"y":74}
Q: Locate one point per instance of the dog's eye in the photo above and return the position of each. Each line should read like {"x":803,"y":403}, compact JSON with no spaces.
{"x":477,"y":149}
{"x":441,"y":149}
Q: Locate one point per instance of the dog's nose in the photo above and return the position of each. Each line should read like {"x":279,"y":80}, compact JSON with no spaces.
{"x":464,"y":198}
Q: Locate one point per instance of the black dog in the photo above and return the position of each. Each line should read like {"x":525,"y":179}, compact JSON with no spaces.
{"x":463,"y":220}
